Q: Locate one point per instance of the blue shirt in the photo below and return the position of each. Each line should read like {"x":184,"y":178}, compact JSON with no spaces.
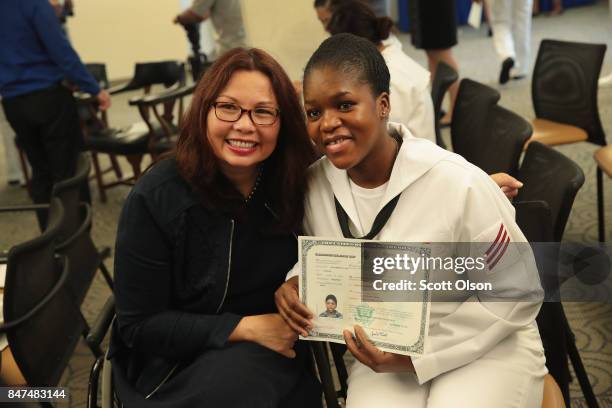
{"x":34,"y":52}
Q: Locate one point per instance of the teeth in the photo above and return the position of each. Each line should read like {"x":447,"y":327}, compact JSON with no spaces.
{"x":239,"y":143}
{"x":333,"y":142}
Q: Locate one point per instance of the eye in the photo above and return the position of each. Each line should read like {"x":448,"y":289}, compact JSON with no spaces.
{"x":227,"y":106}
{"x":345,"y":106}
{"x":266,"y":112}
{"x":313,"y":114}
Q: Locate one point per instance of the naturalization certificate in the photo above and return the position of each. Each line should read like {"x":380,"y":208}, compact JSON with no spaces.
{"x":340,"y":282}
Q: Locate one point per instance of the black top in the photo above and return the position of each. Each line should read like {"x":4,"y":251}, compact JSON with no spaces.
{"x":186,"y":274}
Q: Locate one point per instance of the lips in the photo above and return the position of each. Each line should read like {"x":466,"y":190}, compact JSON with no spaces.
{"x":337,"y":144}
{"x":241,"y":147}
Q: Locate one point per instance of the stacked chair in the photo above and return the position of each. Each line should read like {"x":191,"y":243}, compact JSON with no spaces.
{"x":138,"y":139}
{"x":484,"y":133}
{"x":564,"y":94}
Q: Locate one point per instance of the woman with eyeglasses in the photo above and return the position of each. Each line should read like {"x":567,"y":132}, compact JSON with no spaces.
{"x":204,"y":240}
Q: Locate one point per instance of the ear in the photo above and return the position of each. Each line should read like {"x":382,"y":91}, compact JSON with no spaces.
{"x":383,"y":106}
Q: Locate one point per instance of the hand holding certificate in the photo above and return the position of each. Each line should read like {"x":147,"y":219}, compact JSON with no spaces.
{"x":333,"y":286}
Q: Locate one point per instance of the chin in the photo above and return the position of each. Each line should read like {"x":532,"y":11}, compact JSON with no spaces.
{"x":342,"y":163}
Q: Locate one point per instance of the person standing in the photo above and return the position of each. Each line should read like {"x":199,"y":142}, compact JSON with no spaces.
{"x":35,"y":59}
{"x":226,"y":17}
{"x":511,"y":23}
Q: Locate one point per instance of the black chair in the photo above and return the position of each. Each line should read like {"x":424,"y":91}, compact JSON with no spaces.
{"x":484,"y":133}
{"x":444,"y":78}
{"x":564,"y":93}
{"x":550,"y":176}
{"x":134,"y":141}
{"x":552,"y":181}
{"x":41,"y":321}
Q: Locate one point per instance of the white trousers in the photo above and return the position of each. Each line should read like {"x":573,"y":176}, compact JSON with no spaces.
{"x":509,"y":376}
{"x":511,"y":24}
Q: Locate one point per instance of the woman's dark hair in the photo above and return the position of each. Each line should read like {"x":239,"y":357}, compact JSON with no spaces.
{"x":357,"y":18}
{"x":351,"y":54}
{"x":284,"y":171}
{"x":331,"y":297}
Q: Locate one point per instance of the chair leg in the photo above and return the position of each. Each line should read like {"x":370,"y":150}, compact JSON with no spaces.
{"x":116,"y":167}
{"x":96,"y":350}
{"x":600,"y":206}
{"x":581,"y":375}
{"x":106,"y":274}
{"x":329,"y":390}
{"x":98,"y":174}
{"x":94,"y":377}
{"x":135,"y":160}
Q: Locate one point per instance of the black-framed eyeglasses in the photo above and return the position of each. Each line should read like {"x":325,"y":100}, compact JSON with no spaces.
{"x":231,"y":112}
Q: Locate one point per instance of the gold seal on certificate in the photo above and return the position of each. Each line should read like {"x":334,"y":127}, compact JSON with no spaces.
{"x":348,"y":282}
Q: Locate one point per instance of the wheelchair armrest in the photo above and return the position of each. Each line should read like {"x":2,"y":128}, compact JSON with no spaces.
{"x":27,"y":207}
{"x":102,"y":323}
{"x":166,"y":96}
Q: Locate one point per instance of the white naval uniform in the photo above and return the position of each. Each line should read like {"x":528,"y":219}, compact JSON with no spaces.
{"x":411,"y":102}
{"x":511,"y":25}
{"x":478,"y":354}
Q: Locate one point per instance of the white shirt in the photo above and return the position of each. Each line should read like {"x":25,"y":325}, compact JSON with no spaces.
{"x":443,"y":198}
{"x":226,"y":17}
{"x":367,"y":201}
{"x":411,"y":103}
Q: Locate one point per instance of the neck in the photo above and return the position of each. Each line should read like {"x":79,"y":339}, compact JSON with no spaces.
{"x":243,"y":179}
{"x":375,"y":169}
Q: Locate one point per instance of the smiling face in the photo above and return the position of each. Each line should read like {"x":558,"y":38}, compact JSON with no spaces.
{"x":242,"y":145}
{"x":344,"y":118}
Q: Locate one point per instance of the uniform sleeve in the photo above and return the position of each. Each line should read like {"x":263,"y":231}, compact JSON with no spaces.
{"x":143,"y":280}
{"x":413,"y":107}
{"x":477,"y":325}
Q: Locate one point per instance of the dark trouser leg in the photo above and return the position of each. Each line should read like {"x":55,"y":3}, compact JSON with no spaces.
{"x":47,"y":128}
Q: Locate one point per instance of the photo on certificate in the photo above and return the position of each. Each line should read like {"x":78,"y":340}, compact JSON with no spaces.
{"x":341,"y":282}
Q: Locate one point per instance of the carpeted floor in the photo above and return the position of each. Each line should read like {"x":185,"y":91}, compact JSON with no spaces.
{"x":592,"y":323}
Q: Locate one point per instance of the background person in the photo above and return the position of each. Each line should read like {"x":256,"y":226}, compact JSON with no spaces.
{"x":35,"y":58}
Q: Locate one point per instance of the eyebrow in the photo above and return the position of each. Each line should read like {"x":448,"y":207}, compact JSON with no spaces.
{"x":334,"y":96}
{"x":236,"y":100}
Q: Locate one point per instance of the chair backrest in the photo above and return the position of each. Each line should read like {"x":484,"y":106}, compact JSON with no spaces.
{"x":34,"y":295}
{"x":69,"y":192}
{"x":147,"y":74}
{"x":444,"y":78}
{"x":98,"y":71}
{"x":484,"y":133}
{"x":564,"y":85}
{"x":551,"y":177}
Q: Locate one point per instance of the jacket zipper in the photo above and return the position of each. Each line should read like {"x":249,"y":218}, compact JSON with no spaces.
{"x":229,"y":268}
{"x":162,"y":381}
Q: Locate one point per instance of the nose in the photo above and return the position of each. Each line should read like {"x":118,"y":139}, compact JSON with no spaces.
{"x":244,"y":123}
{"x":330,"y":121}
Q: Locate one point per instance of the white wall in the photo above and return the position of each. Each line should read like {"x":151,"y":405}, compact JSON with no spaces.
{"x":121,"y":33}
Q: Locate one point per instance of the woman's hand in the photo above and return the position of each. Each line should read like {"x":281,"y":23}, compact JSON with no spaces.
{"x":268,"y":330}
{"x":379,"y":361}
{"x":295,"y":313}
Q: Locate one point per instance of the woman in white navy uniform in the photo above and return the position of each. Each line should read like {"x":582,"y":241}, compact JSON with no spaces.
{"x":479,"y":354}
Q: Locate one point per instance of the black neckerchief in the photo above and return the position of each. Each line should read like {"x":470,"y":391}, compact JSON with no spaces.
{"x":381,"y":218}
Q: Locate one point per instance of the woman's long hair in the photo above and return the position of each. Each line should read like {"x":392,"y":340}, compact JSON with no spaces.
{"x":285,"y":169}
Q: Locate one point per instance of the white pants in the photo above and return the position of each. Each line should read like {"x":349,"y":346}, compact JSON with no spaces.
{"x":499,"y":379}
{"x":511,"y":24}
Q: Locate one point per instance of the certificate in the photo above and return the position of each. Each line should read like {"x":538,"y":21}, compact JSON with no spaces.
{"x":337,"y":277}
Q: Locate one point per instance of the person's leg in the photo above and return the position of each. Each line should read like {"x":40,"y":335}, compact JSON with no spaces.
{"x":511,"y":375}
{"x":521,"y":31}
{"x":502,"y":36}
{"x":444,"y":55}
{"x":367,"y":389}
{"x":14,"y":175}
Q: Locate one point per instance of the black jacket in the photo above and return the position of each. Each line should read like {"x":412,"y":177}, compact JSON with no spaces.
{"x":172,"y":263}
